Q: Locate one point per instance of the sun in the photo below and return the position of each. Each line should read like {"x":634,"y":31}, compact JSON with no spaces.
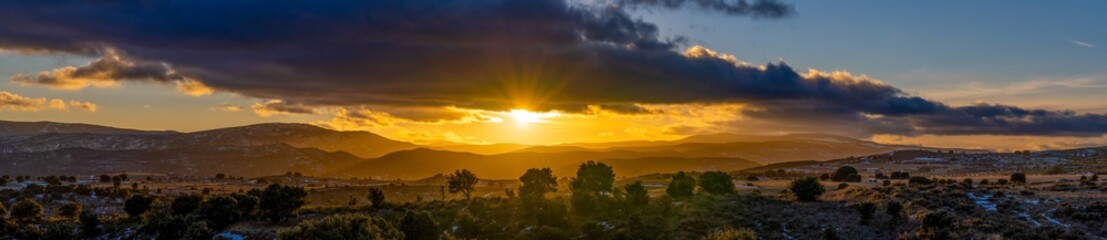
{"x":527,"y":117}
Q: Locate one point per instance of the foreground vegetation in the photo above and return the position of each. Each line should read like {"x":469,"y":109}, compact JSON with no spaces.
{"x":693,"y":206}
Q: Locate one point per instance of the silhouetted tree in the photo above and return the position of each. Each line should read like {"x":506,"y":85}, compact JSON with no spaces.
{"x":806,"y":189}
{"x":278,"y":202}
{"x":636,"y":194}
{"x":105,"y":178}
{"x":1018,"y":178}
{"x":419,"y":226}
{"x":462,"y":181}
{"x":717,"y":182}
{"x":220,"y":176}
{"x":26,"y":210}
{"x":593,"y":178}
{"x":186,"y":204}
{"x":137,"y":205}
{"x":681,"y":185}
{"x":247,"y":205}
{"x":537,"y":182}
{"x":376,"y":197}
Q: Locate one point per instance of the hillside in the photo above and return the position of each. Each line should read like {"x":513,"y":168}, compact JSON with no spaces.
{"x":10,"y":128}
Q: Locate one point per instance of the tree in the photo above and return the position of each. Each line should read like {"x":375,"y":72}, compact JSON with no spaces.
{"x":279,"y":202}
{"x":866,"y":210}
{"x":637,"y":194}
{"x":846,"y":174}
{"x":806,"y":189}
{"x":419,"y":226}
{"x":137,"y":205}
{"x":681,"y":185}
{"x":105,"y":178}
{"x":919,"y":180}
{"x":824,"y":177}
{"x":347,"y":226}
{"x":220,"y":212}
{"x":220,"y":176}
{"x":186,"y":204}
{"x":247,"y":205}
{"x":462,"y":181}
{"x":26,"y":210}
{"x":717,"y":182}
{"x":594,"y":178}
{"x":376,"y":197}
{"x":69,"y":210}
{"x":537,"y":182}
{"x":1018,"y":178}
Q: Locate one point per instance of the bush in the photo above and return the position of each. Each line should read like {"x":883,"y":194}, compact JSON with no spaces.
{"x":717,"y":182}
{"x":894,"y":209}
{"x":806,"y":189}
{"x":866,"y":211}
{"x":90,"y":223}
{"x":220,"y":212}
{"x":1018,"y":178}
{"x":843,"y":186}
{"x":419,"y":226}
{"x":732,"y":234}
{"x":137,"y":205}
{"x":27,"y":210}
{"x":69,"y":210}
{"x":279,"y":202}
{"x":846,"y":174}
{"x":186,"y":204}
{"x":376,"y":197}
{"x":636,"y":194}
{"x":681,"y":185}
{"x":919,"y":180}
{"x":347,"y":226}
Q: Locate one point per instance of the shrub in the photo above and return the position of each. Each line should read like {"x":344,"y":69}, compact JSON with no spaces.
{"x":279,"y":202}
{"x":717,"y":182}
{"x":846,"y":174}
{"x":894,"y":209}
{"x":90,"y":223}
{"x":137,"y":205}
{"x":69,"y":210}
{"x":1018,"y":178}
{"x":843,"y":186}
{"x":824,"y":177}
{"x":220,"y":212}
{"x":347,"y":226}
{"x":732,"y":234}
{"x":866,"y":211}
{"x":919,"y":180}
{"x":806,"y":189}
{"x":376,"y":197}
{"x":419,"y":226}
{"x":681,"y":185}
{"x":636,"y":194}
{"x":27,"y":210}
{"x":186,"y":204}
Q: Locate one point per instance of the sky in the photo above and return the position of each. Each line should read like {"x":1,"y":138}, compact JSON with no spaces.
{"x":1003,"y":75}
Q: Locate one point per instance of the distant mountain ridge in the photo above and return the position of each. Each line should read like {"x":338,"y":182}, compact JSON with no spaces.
{"x":10,"y":128}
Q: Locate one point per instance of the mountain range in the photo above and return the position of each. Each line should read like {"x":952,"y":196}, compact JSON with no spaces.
{"x":49,"y":148}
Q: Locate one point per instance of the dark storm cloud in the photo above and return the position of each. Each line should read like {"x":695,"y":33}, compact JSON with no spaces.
{"x":484,"y":54}
{"x":759,"y":8}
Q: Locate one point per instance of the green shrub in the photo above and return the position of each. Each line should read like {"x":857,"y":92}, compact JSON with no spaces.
{"x":345,"y":226}
{"x":806,"y":189}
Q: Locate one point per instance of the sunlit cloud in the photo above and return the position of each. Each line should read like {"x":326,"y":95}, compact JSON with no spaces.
{"x":227,"y":107}
{"x":14,"y":102}
{"x":280,"y":107}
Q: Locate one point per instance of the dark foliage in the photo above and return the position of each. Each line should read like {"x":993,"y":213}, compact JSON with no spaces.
{"x":717,"y":182}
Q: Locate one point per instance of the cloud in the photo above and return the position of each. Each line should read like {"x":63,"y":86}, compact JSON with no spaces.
{"x":108,"y":71}
{"x":227,"y":107}
{"x":759,"y":8}
{"x":1083,"y":44}
{"x":280,"y":107}
{"x":490,"y":55}
{"x":14,"y":102}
